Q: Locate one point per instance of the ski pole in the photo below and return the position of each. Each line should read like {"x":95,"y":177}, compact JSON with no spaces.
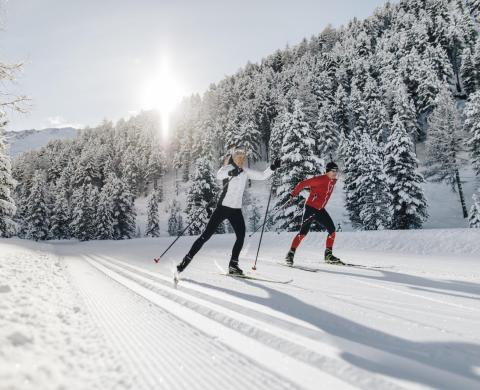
{"x":263,"y":226}
{"x":157,"y":259}
{"x":270,"y":217}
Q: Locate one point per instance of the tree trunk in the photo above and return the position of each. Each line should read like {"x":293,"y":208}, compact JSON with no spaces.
{"x":460,"y":192}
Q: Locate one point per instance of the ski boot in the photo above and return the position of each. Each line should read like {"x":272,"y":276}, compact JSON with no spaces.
{"x":331,"y":259}
{"x":289,"y":257}
{"x":185,"y":262}
{"x":234,"y":269}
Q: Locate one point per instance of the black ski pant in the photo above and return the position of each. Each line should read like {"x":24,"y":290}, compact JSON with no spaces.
{"x":221,"y":213}
{"x":320,"y":216}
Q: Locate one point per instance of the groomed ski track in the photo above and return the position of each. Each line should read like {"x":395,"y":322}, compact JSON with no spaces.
{"x":204,"y":336}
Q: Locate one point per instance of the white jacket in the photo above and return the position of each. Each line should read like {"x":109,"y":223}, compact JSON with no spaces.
{"x":235,"y":188}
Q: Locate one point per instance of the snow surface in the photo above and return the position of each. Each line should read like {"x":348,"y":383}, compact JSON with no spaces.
{"x":48,"y":340}
{"x":104,"y":315}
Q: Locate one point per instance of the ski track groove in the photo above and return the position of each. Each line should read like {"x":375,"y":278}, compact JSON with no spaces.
{"x":355,"y":305}
{"x":137,"y":351}
{"x":293,"y":349}
{"x":350,"y":375}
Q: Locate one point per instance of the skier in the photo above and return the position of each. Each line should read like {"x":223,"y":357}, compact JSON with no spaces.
{"x":321,"y":187}
{"x":229,"y":207}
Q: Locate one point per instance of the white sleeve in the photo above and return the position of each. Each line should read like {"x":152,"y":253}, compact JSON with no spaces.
{"x":223,"y":172}
{"x":257,"y":175}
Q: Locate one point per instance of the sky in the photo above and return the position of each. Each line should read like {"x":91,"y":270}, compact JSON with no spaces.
{"x":85,"y":61}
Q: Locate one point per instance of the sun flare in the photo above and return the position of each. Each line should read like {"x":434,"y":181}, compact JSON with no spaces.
{"x":163,"y":93}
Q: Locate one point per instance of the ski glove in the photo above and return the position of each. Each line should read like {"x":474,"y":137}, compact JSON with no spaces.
{"x":235,"y":172}
{"x":276,"y":164}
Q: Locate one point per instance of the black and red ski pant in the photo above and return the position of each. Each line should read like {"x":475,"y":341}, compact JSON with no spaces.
{"x":221,"y":213}
{"x":320,"y":216}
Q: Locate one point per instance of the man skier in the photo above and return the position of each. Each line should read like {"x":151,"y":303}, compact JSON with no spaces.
{"x":234,"y":176}
{"x":321,"y":187}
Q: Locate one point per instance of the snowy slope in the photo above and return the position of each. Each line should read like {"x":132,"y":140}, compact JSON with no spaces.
{"x":27,"y":140}
{"x":412,"y":324}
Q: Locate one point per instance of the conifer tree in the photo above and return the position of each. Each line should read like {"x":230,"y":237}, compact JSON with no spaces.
{"x":444,"y":143}
{"x":375,"y":201}
{"x":60,"y":216}
{"x":299,"y":162}
{"x":474,"y":215}
{"x":405,"y":184}
{"x":175,"y":220}
{"x":255,"y":216}
{"x":36,"y":214}
{"x":7,"y":185}
{"x":351,"y":173}
{"x":472,"y":128}
{"x":153,"y":227}
{"x":105,"y":218}
{"x":468,"y":71}
{"x":123,"y":207}
{"x":327,"y":134}
{"x":84,"y":202}
{"x":200,"y":196}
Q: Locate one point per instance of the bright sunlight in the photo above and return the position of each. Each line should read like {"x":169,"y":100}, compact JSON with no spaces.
{"x":163,"y":92}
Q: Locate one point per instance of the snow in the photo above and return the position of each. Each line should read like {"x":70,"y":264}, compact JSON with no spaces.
{"x":47,"y":338}
{"x":28,"y":140}
{"x":104,"y":315}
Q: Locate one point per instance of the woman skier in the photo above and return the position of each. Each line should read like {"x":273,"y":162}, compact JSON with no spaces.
{"x":234,"y":176}
{"x":321,"y":187}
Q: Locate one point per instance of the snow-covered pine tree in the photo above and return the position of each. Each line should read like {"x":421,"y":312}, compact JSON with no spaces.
{"x":351,"y":150}
{"x":87,"y":170}
{"x":85,"y":202}
{"x":468,"y":71}
{"x":156,"y":166}
{"x":299,"y":162}
{"x":405,"y":184}
{"x":248,"y":135}
{"x":472,"y":128}
{"x":123,"y":207}
{"x":36,"y":218}
{"x":327,"y":134}
{"x":278,"y":133}
{"x":105,"y":218}
{"x":476,"y":62}
{"x":153,"y":227}
{"x":378,"y":121}
{"x":474,"y":215}
{"x":375,"y":201}
{"x":340,"y":114}
{"x":201,"y":194}
{"x":7,"y":185}
{"x":444,"y":143}
{"x":60,"y":215}
{"x":404,"y":107}
{"x":131,"y":171}
{"x":255,"y":216}
{"x":175,"y":220}
{"x":358,"y":109}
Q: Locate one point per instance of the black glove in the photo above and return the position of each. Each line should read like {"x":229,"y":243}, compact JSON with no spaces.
{"x":276,"y":164}
{"x":235,"y":172}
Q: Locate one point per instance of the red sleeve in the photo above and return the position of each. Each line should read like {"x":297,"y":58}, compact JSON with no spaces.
{"x":303,"y":184}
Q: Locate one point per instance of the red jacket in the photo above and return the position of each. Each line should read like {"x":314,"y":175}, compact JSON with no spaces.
{"x":321,"y":187}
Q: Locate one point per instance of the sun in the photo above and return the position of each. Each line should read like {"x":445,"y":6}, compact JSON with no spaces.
{"x":163,"y":92}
